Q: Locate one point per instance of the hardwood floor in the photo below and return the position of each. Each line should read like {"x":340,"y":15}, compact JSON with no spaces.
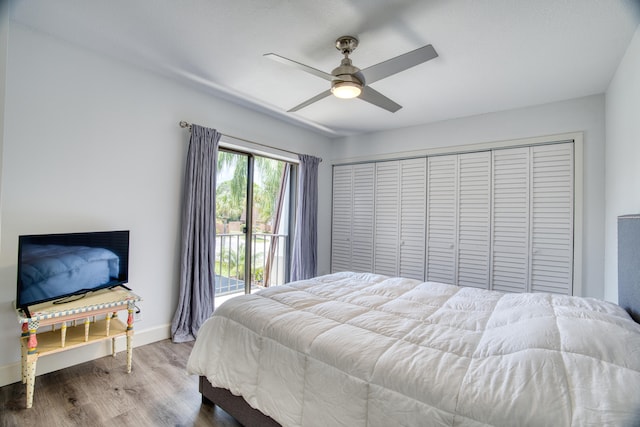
{"x":157,"y":392}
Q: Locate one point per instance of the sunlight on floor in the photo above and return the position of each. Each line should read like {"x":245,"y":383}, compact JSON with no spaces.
{"x":220,"y":299}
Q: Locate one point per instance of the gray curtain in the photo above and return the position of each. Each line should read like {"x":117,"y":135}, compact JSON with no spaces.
{"x":198,"y":250}
{"x":305,"y":240}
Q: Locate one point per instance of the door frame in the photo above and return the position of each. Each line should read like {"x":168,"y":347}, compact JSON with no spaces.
{"x":248,"y":227}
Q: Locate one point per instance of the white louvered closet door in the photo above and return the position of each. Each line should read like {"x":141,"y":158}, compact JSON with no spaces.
{"x":342,"y":210}
{"x":501,"y":220}
{"x":442,"y":183}
{"x":387,"y":201}
{"x":474,"y":219}
{"x":510,"y":222}
{"x":552,"y":219}
{"x":363,"y":214}
{"x":413,"y":200}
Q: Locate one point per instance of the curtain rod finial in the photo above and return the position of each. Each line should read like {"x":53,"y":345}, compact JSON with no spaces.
{"x":184,"y":124}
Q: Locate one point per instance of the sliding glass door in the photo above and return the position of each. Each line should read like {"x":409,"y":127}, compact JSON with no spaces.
{"x":253,"y":219}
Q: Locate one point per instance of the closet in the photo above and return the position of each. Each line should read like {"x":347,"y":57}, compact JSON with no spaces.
{"x":399,"y":228}
{"x":498,"y":219}
{"x":352,"y":218}
{"x":458,"y":220}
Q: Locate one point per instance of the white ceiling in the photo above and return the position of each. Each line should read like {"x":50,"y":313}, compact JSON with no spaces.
{"x":493,"y":54}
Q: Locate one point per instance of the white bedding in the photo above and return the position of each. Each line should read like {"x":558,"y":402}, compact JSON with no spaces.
{"x":367,"y":350}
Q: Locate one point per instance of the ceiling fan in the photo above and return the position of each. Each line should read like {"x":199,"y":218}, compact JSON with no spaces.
{"x":348,"y":81}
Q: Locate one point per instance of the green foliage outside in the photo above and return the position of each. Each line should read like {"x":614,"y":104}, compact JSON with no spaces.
{"x":231,"y":194}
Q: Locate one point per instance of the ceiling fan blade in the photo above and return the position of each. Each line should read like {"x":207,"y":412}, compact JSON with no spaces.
{"x":399,"y":63}
{"x":310,"y":101}
{"x":299,"y":66}
{"x":376,"y":98}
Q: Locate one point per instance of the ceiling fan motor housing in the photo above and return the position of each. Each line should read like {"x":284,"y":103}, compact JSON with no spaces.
{"x":345,"y":84}
{"x":346,"y":72}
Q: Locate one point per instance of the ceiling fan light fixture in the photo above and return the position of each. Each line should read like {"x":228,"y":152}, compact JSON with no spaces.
{"x":346,"y":90}
{"x":348,"y":81}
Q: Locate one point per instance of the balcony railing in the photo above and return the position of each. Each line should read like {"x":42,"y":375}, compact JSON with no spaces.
{"x":268,"y":263}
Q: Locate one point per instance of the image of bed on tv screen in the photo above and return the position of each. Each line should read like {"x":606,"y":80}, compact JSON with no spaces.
{"x":52,"y":268}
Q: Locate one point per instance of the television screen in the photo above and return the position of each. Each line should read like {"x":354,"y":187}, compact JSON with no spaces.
{"x":52,"y":267}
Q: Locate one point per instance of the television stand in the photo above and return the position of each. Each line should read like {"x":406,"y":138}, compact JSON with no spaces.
{"x":98,"y":316}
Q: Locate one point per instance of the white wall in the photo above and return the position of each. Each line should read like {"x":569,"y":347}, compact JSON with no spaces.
{"x":584,"y":115}
{"x":94,"y":144}
{"x":622,"y":156}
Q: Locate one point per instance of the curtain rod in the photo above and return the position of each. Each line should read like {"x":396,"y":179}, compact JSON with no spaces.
{"x":184,"y":124}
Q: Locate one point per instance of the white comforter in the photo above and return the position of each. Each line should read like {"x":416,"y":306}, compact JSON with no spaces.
{"x":367,"y":350}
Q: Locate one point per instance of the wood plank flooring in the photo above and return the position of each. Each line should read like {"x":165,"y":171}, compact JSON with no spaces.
{"x":157,"y":392}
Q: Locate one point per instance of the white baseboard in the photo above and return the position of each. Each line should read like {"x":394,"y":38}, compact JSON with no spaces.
{"x":11,"y":373}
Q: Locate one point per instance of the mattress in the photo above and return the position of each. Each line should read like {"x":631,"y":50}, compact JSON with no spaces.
{"x":356,"y":349}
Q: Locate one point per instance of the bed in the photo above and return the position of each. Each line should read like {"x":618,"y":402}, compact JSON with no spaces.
{"x":48,"y":271}
{"x":358,"y":349}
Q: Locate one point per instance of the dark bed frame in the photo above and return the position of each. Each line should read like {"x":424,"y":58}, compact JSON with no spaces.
{"x":235,"y":406}
{"x":628,"y":298}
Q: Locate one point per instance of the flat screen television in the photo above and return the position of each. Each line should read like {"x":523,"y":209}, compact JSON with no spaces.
{"x":61,"y":267}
